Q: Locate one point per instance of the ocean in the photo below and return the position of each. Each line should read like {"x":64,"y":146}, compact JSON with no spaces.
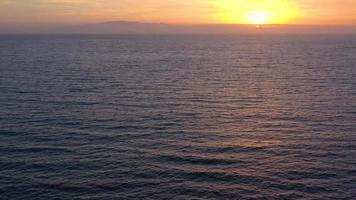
{"x":250,"y":117}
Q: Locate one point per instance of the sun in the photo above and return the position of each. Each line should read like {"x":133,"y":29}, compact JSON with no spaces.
{"x":257,"y":12}
{"x":259,"y":17}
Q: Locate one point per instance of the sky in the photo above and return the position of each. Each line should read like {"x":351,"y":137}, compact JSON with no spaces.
{"x":68,"y":12}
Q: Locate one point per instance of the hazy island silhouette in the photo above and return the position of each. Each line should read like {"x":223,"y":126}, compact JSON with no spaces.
{"x":132,"y":27}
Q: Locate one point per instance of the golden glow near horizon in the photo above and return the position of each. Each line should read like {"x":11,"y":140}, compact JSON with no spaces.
{"x":60,"y":12}
{"x":258,"y":11}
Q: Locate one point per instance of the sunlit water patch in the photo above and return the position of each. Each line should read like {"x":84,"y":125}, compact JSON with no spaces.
{"x":178,"y":117}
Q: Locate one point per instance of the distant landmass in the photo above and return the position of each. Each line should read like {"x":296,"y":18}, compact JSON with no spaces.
{"x":126,"y":27}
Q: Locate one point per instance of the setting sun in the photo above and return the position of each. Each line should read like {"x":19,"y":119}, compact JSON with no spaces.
{"x":258,"y":12}
{"x":259,"y":17}
{"x":172,"y":99}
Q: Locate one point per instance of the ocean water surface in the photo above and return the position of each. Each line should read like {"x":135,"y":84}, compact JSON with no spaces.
{"x":178,"y":117}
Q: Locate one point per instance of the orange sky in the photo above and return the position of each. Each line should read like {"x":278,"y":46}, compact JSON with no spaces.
{"x":58,"y":12}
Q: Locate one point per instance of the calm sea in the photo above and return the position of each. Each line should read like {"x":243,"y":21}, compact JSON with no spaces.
{"x":178,"y":117}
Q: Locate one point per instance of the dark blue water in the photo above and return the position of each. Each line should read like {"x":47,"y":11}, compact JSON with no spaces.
{"x":178,"y":117}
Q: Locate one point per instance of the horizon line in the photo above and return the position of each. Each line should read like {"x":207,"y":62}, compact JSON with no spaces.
{"x":193,"y":24}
